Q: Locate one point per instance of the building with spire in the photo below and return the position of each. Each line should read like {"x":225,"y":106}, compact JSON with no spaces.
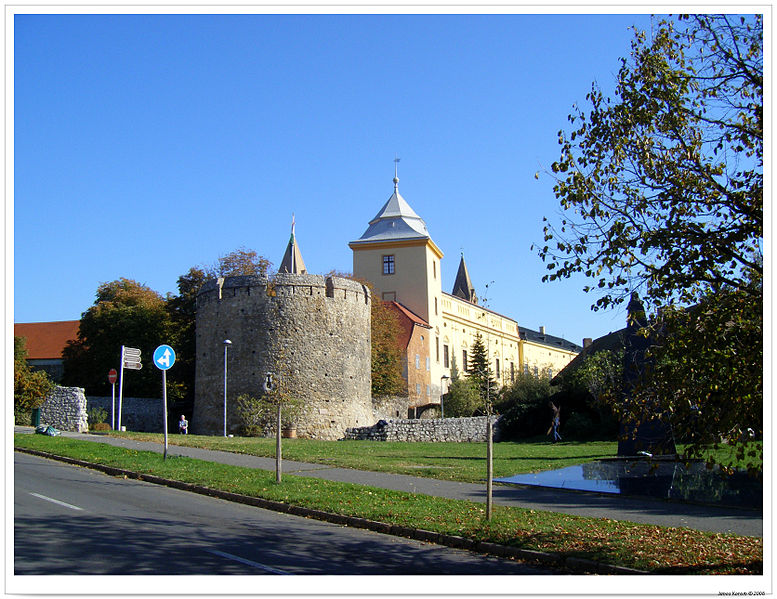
{"x":398,"y":256}
{"x":292,"y":259}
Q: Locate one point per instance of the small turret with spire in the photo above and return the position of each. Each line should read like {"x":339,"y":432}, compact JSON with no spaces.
{"x":292,"y":260}
{"x":463,"y":286}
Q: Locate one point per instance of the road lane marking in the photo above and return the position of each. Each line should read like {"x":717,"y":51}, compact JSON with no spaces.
{"x":72,"y":507}
{"x":247,"y":562}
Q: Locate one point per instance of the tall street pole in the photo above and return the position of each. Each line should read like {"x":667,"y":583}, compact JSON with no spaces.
{"x":227,"y":343}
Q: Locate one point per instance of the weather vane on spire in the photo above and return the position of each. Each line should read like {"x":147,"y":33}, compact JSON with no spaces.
{"x":396,"y":177}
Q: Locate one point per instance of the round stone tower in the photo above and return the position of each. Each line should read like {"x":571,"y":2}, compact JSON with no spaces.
{"x":319,"y":325}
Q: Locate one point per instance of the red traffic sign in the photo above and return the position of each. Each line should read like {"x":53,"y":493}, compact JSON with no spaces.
{"x":112,"y":376}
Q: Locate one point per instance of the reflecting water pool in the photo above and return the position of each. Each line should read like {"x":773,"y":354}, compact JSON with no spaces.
{"x":691,"y":482}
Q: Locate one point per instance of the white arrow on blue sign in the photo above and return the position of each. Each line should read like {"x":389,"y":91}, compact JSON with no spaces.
{"x":164,"y":357}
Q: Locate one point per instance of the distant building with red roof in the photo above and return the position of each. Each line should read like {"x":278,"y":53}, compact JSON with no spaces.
{"x":45,"y":342}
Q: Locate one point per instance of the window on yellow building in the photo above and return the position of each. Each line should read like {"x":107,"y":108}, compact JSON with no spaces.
{"x":417,"y":362}
{"x":445,"y":361}
{"x":464,"y":361}
{"x":388,"y":265}
{"x":437,"y":348}
{"x":497,"y":368}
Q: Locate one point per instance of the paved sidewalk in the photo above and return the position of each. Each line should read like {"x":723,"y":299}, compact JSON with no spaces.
{"x":645,"y":511}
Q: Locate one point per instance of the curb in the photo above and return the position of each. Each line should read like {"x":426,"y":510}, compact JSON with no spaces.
{"x":574,"y":564}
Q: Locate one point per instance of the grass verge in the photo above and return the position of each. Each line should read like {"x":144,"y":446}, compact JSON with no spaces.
{"x":645,"y":547}
{"x":463,"y":462}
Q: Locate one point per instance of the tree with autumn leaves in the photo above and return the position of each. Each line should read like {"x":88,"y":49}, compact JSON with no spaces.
{"x":661,"y":191}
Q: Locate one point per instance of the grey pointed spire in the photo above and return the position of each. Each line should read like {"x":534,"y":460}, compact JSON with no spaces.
{"x":292,"y":260}
{"x":463,"y":286}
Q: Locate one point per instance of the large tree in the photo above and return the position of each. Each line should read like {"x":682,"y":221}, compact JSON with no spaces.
{"x":128,"y":313}
{"x":30,"y":387}
{"x":661,"y":188}
{"x":662,"y":185}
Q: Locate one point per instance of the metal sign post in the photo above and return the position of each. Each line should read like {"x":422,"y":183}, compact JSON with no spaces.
{"x":164,"y":358}
{"x":112,"y":380}
{"x":130,"y":358}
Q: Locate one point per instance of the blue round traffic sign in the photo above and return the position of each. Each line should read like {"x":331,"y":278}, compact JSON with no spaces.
{"x":164,"y":357}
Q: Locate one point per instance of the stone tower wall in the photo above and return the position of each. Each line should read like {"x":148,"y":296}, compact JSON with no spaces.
{"x":320,"y":325}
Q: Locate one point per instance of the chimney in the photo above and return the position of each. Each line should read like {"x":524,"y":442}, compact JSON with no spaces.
{"x":587,"y":341}
{"x":542,"y":330}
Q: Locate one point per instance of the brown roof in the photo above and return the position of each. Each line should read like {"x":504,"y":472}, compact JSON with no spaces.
{"x":407,"y":320}
{"x":46,"y":340}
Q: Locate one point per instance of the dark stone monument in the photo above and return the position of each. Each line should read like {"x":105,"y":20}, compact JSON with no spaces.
{"x":650,"y":432}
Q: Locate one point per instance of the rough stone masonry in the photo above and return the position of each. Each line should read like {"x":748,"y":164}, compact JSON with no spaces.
{"x":318,"y":326}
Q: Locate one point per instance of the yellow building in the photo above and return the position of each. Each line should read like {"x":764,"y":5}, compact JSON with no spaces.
{"x":398,"y":256}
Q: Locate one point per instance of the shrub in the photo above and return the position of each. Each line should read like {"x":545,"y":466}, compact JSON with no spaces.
{"x":100,"y":426}
{"x":524,"y":406}
{"x":255,"y":414}
{"x":96,"y":416}
{"x":462,"y":398}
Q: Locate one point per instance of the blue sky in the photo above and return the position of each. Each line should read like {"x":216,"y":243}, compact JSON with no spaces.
{"x":147,"y":144}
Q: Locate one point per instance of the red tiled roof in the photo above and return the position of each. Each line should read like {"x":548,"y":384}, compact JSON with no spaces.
{"x":407,"y":320}
{"x":46,"y":340}
{"x":412,"y":316}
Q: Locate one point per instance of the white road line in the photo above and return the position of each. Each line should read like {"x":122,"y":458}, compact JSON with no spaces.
{"x":72,"y":507}
{"x":247,"y":562}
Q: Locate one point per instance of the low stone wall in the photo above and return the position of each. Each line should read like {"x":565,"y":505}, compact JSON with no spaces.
{"x":385,"y":408}
{"x":439,"y":429}
{"x":65,"y":409}
{"x":140,"y":414}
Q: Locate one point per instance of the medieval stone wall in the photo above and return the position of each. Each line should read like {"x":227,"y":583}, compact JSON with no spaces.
{"x":140,"y":414}
{"x":457,"y":430}
{"x":65,"y":409}
{"x":317,"y":327}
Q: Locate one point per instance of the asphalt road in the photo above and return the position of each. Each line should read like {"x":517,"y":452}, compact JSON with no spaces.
{"x":71,"y":520}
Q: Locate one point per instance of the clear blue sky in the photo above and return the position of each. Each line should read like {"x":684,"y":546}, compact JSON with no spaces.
{"x":147,"y":144}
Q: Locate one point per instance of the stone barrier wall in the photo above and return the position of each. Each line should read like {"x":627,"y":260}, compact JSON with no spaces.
{"x":440,"y":429}
{"x":386,"y":408}
{"x":140,"y":414}
{"x":65,"y":409}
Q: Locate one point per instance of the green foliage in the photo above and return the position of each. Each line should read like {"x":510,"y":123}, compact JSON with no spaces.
{"x":462,"y":399}
{"x":386,"y":354}
{"x":707,"y":373}
{"x":182,"y":309}
{"x":257,"y":416}
{"x":481,"y":374}
{"x":128,"y":313}
{"x":30,"y":386}
{"x":662,"y":186}
{"x":524,"y":406}
{"x":239,"y":262}
{"x":96,"y":416}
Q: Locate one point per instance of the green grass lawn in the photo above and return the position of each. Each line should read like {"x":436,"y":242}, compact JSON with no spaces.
{"x":465,"y":462}
{"x":646,"y":547}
